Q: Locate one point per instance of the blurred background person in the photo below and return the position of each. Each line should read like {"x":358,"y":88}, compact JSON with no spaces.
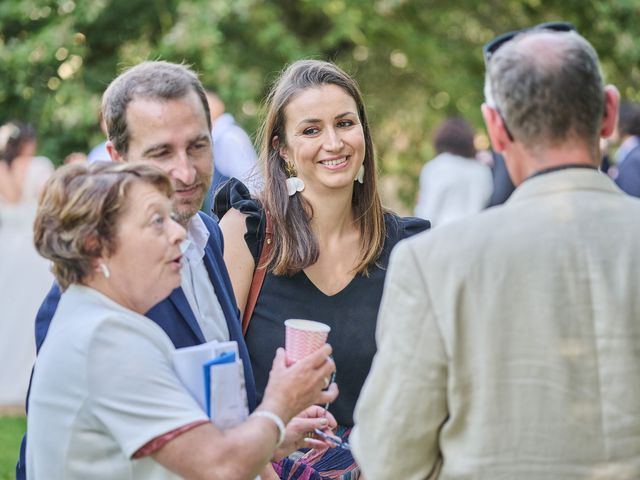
{"x":105,"y":399}
{"x":24,"y":275}
{"x":606,"y":157}
{"x":99,"y":153}
{"x":233,"y":152}
{"x":22,"y":173}
{"x":627,"y":175}
{"x":454,"y":184}
{"x":503,"y":187}
{"x":75,"y":157}
{"x":330,"y":237}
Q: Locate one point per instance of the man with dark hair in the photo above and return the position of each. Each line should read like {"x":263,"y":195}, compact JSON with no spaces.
{"x":157,"y":112}
{"x":628,"y":155}
{"x":509,"y":343}
{"x":150,"y":112}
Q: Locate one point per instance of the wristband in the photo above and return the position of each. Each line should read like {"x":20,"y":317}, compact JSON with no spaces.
{"x":275,"y":419}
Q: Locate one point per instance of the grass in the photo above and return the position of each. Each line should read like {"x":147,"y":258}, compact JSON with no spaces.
{"x":11,"y":431}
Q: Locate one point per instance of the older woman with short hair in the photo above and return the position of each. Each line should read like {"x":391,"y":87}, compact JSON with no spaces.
{"x":105,"y":401}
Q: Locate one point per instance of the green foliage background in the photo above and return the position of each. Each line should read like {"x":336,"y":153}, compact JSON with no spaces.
{"x":417,"y":60}
{"x":11,"y":431}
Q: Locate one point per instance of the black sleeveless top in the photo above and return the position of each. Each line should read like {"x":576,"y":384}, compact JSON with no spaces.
{"x":351,"y":313}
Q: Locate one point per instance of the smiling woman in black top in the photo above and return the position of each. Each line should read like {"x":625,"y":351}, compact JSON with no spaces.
{"x":331,"y":237}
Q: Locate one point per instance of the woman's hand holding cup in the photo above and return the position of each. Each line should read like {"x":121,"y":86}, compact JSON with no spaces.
{"x":293,"y":388}
{"x":299,"y":379}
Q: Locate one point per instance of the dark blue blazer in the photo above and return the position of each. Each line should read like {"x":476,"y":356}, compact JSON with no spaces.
{"x":174,"y":316}
{"x":628,"y":178}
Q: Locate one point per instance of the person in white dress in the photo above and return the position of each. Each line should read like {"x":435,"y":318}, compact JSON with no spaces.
{"x":454,"y":184}
{"x":24,"y":275}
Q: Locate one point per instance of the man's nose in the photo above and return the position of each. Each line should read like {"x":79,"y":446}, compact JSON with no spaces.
{"x":183,"y":169}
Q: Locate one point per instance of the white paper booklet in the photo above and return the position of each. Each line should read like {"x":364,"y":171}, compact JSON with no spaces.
{"x":213,"y":374}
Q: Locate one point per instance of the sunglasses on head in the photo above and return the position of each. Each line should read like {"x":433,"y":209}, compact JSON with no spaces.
{"x":491,"y":47}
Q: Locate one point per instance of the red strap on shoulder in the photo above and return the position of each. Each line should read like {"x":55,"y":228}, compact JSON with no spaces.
{"x":258,"y":275}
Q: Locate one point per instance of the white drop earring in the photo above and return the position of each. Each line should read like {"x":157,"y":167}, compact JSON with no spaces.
{"x":294,"y":184}
{"x":360,"y":175}
{"x":105,"y":270}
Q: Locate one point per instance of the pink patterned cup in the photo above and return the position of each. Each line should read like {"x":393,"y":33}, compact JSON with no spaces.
{"x":304,"y":337}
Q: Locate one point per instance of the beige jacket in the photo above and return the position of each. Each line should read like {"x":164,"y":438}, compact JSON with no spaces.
{"x":509,"y":343}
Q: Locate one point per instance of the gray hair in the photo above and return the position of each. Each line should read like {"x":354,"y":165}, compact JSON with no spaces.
{"x":546,"y":99}
{"x":153,"y":80}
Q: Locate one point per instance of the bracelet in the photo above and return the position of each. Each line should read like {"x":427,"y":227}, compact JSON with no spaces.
{"x":275,"y":419}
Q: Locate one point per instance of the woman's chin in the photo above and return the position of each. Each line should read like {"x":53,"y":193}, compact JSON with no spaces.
{"x":175,"y":284}
{"x":171,"y":286}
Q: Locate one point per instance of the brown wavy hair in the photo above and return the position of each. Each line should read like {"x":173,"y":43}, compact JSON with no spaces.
{"x":294,"y":244}
{"x":77,"y":219}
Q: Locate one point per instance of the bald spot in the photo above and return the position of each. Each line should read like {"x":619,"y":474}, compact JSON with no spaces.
{"x":541,"y":48}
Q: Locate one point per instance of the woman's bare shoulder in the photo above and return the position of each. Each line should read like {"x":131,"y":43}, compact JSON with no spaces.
{"x":234,"y":223}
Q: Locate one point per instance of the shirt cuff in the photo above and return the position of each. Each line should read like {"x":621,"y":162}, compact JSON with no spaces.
{"x":157,"y":443}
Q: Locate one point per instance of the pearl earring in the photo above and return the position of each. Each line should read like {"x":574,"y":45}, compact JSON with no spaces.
{"x":105,"y":270}
{"x":294,"y":184}
{"x":360,"y":175}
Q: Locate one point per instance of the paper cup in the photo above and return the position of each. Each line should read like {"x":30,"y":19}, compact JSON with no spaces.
{"x":304,"y":337}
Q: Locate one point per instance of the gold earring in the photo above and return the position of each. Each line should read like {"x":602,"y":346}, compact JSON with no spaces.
{"x":290,"y":169}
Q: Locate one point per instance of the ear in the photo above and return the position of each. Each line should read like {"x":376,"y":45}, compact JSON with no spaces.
{"x":495,"y":127}
{"x":95,"y":264}
{"x":611,"y":103}
{"x":275,"y":144}
{"x":113,"y":153}
{"x":91,"y":246}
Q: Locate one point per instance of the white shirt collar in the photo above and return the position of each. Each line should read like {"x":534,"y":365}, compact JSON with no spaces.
{"x":196,"y":284}
{"x":197,"y":237}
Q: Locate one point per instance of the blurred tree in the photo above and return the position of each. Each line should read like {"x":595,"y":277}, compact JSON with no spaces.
{"x":417,"y":60}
